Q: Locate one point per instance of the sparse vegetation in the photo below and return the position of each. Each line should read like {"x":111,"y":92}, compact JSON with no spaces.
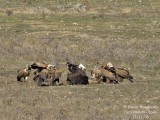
{"x":123,"y":32}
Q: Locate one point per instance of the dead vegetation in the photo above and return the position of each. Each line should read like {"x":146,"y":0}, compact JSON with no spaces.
{"x":124,"y":32}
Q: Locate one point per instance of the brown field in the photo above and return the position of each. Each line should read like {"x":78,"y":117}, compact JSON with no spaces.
{"x":124,"y":32}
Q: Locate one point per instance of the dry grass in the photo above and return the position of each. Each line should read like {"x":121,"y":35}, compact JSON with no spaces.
{"x":124,"y":32}
{"x":27,"y":101}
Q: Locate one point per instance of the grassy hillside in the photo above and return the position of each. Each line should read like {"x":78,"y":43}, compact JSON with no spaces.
{"x":124,"y":32}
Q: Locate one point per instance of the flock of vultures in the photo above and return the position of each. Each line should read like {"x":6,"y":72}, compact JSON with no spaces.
{"x":47,"y":74}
